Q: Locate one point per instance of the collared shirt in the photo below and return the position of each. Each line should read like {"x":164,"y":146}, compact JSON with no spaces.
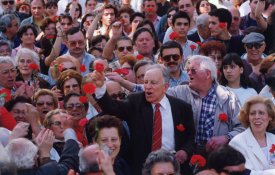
{"x":14,"y":43}
{"x":30,"y":21}
{"x":187,"y":51}
{"x":206,"y":120}
{"x":167,"y":138}
{"x":183,"y":78}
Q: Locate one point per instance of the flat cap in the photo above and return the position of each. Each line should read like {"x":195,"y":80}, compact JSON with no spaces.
{"x":253,"y":37}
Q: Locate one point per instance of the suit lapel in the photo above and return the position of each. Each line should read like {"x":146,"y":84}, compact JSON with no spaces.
{"x":147,"y":115}
{"x":176,"y":119}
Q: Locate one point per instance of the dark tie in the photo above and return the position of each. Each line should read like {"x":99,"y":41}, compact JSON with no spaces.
{"x":157,"y":129}
{"x":58,"y":146}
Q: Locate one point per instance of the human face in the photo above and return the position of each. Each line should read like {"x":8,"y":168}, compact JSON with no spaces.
{"x":56,"y":126}
{"x":51,"y":11}
{"x":88,"y":22}
{"x":44,"y":104}
{"x":91,"y":5}
{"x":236,"y":19}
{"x":109,"y":137}
{"x":23,"y":64}
{"x":140,"y":74}
{"x":216,"y":57}
{"x":234,"y":169}
{"x":24,"y":9}
{"x":170,"y":17}
{"x":172,"y":64}
{"x":76,"y":13}
{"x":75,"y":108}
{"x":7,"y":75}
{"x":76,"y":43}
{"x":126,"y":18}
{"x":232,"y":73}
{"x":71,"y":85}
{"x":37,"y":9}
{"x":258,"y":118}
{"x":215,"y":30}
{"x":19,"y":112}
{"x":125,"y":2}
{"x":127,"y":47}
{"x":152,"y":6}
{"x":181,"y":26}
{"x":8,"y":6}
{"x":114,"y":90}
{"x":135,"y":22}
{"x":50,"y":29}
{"x":108,"y":17}
{"x":65,"y":24}
{"x":254,"y":54}
{"x":131,"y":75}
{"x":14,"y":27}
{"x":5,"y":50}
{"x":197,"y":76}
{"x":28,"y":37}
{"x":205,"y":7}
{"x":68,"y":65}
{"x":101,"y":44}
{"x":187,"y":6}
{"x":253,"y":5}
{"x":163,"y":168}
{"x":154,"y":86}
{"x":145,"y":44}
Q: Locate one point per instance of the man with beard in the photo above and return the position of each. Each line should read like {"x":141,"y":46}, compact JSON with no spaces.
{"x":8,"y":7}
{"x":171,"y":56}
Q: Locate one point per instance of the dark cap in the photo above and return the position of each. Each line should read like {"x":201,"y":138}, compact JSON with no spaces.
{"x":253,"y":37}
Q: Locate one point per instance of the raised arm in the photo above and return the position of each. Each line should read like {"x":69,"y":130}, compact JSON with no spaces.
{"x":262,"y":23}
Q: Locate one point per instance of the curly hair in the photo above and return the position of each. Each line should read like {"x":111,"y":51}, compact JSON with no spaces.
{"x":66,"y":75}
{"x":209,"y":46}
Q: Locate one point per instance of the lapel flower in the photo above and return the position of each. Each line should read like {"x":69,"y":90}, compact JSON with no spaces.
{"x":122,"y":71}
{"x":33,"y":66}
{"x":199,"y":43}
{"x":83,"y":99}
{"x":5,"y":93}
{"x":82,"y":68}
{"x":272,"y":149}
{"x":99,"y":67}
{"x":174,"y":36}
{"x":89,"y":88}
{"x":193,"y":47}
{"x":180,"y":127}
{"x":83,"y":122}
{"x":139,"y":57}
{"x":223,"y":117}
{"x":149,"y":10}
{"x":198,"y":162}
{"x":223,"y":25}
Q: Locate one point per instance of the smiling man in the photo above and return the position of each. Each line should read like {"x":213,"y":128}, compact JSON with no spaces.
{"x":156,"y":120}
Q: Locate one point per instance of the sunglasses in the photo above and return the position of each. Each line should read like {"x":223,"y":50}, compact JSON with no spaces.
{"x":192,"y":71}
{"x":255,"y":45}
{"x":167,"y":58}
{"x":7,"y":2}
{"x":169,"y":16}
{"x":120,"y":95}
{"x":39,"y":104}
{"x":121,"y":49}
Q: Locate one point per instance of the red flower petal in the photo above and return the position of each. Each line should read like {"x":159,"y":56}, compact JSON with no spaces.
{"x":222,"y":24}
{"x":6,"y":94}
{"x":83,"y":99}
{"x":199,"y":43}
{"x":150,"y":10}
{"x":139,"y":57}
{"x":174,"y":36}
{"x":180,"y":128}
{"x":223,"y":117}
{"x":33,"y":66}
{"x":83,"y":122}
{"x":50,"y":36}
{"x":99,"y":67}
{"x":82,"y":68}
{"x":89,"y":88}
{"x":193,"y":47}
{"x":122,"y":71}
{"x":198,"y":159}
{"x":60,"y":67}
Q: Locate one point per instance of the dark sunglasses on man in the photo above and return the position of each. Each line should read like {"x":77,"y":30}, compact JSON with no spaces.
{"x":167,"y":58}
{"x":7,"y":2}
{"x":255,"y":45}
{"x":120,"y":95}
{"x":121,"y":49}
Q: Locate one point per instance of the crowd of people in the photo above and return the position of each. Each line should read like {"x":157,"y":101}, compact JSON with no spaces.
{"x":131,"y":87}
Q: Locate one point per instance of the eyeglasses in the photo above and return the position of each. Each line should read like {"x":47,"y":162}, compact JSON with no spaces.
{"x":7,"y":2}
{"x":56,"y":123}
{"x":255,"y":45}
{"x":120,"y":95}
{"x":167,"y":58}
{"x":169,"y":16}
{"x":121,"y":49}
{"x":74,"y":43}
{"x":71,"y":86}
{"x":39,"y":104}
{"x":192,"y":70}
{"x":76,"y":106}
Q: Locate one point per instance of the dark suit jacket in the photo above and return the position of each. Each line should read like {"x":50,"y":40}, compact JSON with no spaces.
{"x":194,"y":37}
{"x":68,"y":160}
{"x":139,"y":115}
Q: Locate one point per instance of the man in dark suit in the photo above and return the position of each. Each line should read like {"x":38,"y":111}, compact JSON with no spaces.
{"x":149,"y":113}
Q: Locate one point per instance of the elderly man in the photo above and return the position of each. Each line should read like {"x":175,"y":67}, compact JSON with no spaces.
{"x":8,"y":7}
{"x":215,"y":109}
{"x":7,"y":73}
{"x":155,"y":119}
{"x":234,"y":29}
{"x":5,"y":48}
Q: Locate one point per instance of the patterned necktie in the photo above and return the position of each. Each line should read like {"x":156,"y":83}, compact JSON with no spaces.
{"x":157,"y":129}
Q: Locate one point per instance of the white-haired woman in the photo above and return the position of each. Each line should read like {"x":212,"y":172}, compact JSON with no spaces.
{"x":25,"y":58}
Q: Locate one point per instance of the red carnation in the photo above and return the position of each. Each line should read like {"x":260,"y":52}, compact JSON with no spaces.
{"x":83,"y":99}
{"x":272,"y":149}
{"x":50,"y":36}
{"x":6,"y":94}
{"x":223,"y":117}
{"x":180,"y":128}
{"x":222,"y":25}
{"x":55,"y":19}
{"x":193,"y":47}
{"x":199,"y":43}
{"x":89,"y":88}
{"x":60,"y":67}
{"x":82,"y":68}
{"x":150,"y":10}
{"x":122,"y":71}
{"x":99,"y":67}
{"x":139,"y":57}
{"x":174,"y":36}
{"x":33,"y":66}
{"x":198,"y":160}
{"x":83,"y":122}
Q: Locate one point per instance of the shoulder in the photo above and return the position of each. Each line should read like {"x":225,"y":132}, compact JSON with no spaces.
{"x":177,"y":101}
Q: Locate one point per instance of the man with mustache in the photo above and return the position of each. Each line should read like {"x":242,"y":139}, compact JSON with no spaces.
{"x":171,"y":56}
